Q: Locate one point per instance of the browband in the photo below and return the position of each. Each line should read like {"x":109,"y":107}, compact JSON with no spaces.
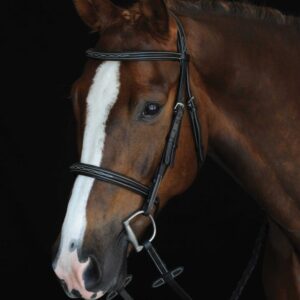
{"x":135,"y":55}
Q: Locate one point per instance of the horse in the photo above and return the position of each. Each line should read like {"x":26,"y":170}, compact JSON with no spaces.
{"x":243,"y":74}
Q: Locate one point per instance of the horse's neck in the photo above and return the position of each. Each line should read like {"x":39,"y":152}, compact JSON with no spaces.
{"x":253,"y":113}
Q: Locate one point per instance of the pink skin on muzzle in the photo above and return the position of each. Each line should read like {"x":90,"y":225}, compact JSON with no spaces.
{"x":71,"y":271}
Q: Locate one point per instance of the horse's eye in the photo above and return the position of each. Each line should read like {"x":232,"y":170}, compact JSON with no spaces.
{"x":151,"y":109}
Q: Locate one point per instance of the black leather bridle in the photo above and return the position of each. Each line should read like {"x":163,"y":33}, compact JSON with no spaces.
{"x":184,"y":99}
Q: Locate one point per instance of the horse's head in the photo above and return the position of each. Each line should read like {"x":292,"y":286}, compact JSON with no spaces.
{"x":124,"y":112}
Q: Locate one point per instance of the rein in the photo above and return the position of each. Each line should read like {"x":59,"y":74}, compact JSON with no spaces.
{"x":184,"y":99}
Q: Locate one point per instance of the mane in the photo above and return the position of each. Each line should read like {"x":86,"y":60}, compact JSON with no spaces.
{"x":245,"y":10}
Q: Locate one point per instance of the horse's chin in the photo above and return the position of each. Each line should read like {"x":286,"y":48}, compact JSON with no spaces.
{"x":115,"y":269}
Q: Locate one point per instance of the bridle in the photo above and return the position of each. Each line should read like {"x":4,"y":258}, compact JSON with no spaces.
{"x":150,"y":193}
{"x":184,"y":99}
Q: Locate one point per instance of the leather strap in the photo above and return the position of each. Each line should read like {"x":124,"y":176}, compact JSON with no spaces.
{"x":124,"y":294}
{"x":192,"y":109}
{"x":167,"y":159}
{"x":168,"y":277}
{"x":172,"y":140}
{"x":110,"y":177}
{"x":135,"y":55}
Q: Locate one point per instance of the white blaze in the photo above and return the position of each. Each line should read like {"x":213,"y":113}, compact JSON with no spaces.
{"x":101,"y":98}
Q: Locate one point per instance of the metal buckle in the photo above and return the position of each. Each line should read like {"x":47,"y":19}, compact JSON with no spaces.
{"x":179,"y":104}
{"x":191,"y":100}
{"x":130,"y":233}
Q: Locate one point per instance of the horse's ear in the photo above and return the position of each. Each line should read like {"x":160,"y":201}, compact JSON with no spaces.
{"x":154,"y":13}
{"x":97,"y":14}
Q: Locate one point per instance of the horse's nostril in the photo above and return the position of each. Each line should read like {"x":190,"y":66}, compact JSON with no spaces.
{"x":92,"y":275}
{"x":76,"y":294}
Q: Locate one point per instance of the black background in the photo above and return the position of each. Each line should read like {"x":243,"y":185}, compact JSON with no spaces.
{"x":210,"y":229}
